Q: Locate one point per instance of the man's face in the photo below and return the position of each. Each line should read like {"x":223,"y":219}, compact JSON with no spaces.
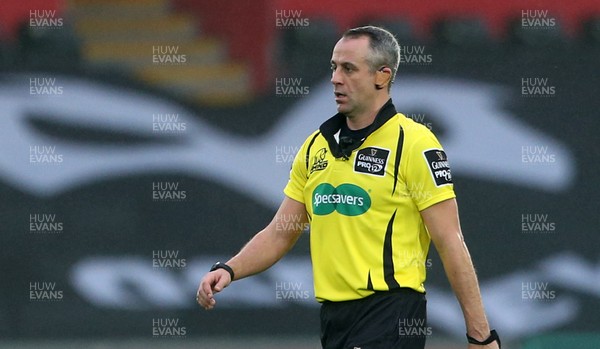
{"x":353,"y":82}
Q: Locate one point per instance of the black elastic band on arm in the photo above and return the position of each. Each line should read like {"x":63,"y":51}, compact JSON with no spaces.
{"x":493,"y":337}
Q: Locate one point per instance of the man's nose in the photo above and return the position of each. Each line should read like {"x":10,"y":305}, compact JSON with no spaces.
{"x":336,"y":77}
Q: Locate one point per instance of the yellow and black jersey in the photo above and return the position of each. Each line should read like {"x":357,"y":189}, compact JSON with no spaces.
{"x":364,"y":205}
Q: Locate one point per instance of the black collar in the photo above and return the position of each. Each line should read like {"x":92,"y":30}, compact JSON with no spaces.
{"x":330,"y":127}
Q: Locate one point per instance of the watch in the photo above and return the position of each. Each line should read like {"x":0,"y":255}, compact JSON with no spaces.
{"x":220,"y":265}
{"x":493,"y":337}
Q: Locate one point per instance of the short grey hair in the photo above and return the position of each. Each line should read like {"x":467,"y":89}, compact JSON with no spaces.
{"x":384,"y":48}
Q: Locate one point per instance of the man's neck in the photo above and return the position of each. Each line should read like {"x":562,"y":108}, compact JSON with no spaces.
{"x":366,"y":118}
{"x":360,"y":122}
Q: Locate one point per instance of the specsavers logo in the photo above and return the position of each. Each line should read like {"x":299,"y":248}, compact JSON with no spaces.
{"x":346,"y":199}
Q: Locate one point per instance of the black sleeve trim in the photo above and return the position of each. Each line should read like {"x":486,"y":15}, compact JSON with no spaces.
{"x":388,"y":256}
{"x":306,"y":160}
{"x":369,"y":282}
{"x":398,"y":156}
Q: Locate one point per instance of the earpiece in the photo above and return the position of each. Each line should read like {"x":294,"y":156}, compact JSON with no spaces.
{"x":383,"y":77}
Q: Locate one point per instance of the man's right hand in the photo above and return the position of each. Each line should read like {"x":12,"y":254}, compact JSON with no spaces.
{"x":212,"y":283}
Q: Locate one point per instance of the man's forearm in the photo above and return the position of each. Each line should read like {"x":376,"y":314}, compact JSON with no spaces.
{"x":261,"y":252}
{"x":271,"y":243}
{"x":461,"y":275}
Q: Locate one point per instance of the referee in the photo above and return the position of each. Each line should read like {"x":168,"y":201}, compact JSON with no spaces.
{"x":376,"y":188}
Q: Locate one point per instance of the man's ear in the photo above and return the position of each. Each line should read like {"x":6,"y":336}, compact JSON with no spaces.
{"x":383,"y":77}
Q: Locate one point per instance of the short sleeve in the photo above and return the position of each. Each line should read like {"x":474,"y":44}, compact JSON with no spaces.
{"x":427,"y":173}
{"x":295,"y":186}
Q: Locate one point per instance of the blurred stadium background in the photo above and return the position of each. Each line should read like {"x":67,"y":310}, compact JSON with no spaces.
{"x":142,"y":140}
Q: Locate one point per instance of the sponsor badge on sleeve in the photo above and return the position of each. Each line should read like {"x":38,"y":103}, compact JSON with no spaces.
{"x":439,"y":167}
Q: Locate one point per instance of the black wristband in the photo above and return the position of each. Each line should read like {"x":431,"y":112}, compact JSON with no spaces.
{"x":220,"y":265}
{"x":493,"y":337}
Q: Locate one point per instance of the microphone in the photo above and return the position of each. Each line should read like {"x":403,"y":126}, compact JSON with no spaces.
{"x":346,"y":141}
{"x":346,"y":146}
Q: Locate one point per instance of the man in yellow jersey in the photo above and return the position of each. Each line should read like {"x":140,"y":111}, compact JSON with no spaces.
{"x":376,"y":187}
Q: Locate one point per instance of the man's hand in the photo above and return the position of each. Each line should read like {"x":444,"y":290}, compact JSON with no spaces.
{"x":212,"y":283}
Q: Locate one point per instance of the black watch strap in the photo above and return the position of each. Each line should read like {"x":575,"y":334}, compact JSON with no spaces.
{"x":220,"y":265}
{"x":493,"y":337}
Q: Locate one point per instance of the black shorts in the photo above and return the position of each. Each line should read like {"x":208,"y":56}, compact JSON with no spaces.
{"x":385,"y":320}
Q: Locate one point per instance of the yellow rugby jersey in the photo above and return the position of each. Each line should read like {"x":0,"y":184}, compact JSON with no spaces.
{"x":366,"y":231}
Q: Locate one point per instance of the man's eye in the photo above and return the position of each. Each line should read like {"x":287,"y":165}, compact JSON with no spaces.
{"x":348,"y":69}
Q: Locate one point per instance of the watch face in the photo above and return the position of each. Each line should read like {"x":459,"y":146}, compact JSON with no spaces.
{"x":224,"y":266}
{"x":215,"y":266}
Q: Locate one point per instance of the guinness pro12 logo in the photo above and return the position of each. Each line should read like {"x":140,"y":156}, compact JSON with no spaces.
{"x":371,"y":161}
{"x":439,"y":167}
